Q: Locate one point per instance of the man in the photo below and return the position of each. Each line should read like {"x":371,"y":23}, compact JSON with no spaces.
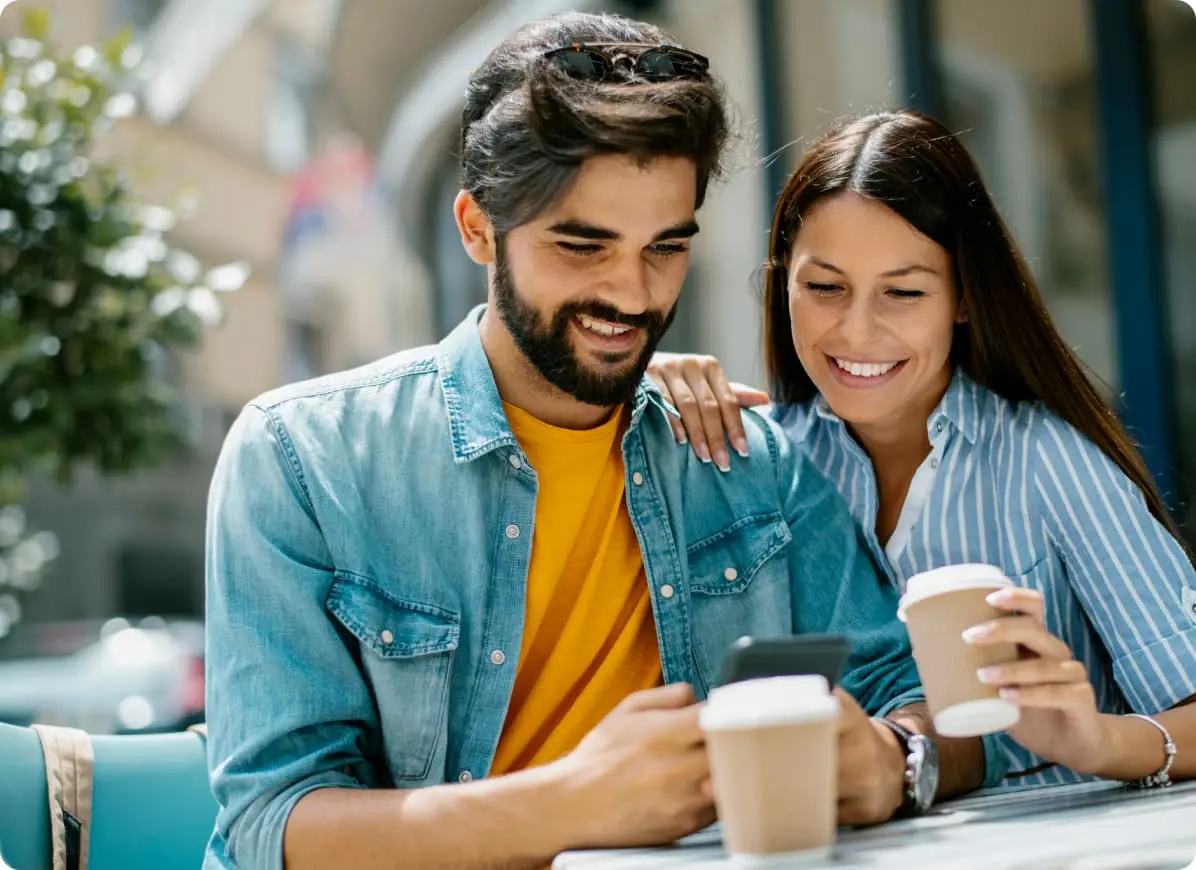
{"x":461,"y":602}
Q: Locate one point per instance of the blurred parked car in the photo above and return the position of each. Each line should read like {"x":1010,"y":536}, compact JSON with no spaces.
{"x":106,"y":678}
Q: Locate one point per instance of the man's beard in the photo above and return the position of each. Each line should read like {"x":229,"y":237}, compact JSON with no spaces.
{"x":548,"y":347}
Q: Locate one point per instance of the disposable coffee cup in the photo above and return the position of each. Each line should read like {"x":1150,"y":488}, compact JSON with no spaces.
{"x":938,"y":606}
{"x":771,"y":744}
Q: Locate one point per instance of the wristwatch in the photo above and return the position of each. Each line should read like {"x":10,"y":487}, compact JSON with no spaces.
{"x":921,"y":770}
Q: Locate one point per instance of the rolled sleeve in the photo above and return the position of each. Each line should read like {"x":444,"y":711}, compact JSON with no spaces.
{"x":288,"y":710}
{"x":906,"y":699}
{"x":1129,"y":573}
{"x":1159,"y":676}
{"x":264,"y":823}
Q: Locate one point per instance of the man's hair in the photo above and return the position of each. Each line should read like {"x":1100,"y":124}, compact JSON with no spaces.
{"x":528,"y":126}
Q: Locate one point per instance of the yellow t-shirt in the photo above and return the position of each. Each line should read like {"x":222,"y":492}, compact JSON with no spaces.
{"x":589,"y":638}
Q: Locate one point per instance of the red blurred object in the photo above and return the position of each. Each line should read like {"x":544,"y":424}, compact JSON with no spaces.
{"x":193,"y":688}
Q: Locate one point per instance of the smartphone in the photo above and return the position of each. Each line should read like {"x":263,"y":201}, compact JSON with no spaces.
{"x":753,"y":658}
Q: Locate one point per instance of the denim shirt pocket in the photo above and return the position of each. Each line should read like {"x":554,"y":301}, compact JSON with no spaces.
{"x":739,"y":585}
{"x":406,"y":651}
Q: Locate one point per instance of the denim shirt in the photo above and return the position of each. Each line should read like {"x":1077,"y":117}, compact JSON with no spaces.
{"x":368,"y":542}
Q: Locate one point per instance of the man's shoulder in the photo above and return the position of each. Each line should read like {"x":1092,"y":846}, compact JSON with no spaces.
{"x":754,"y":476}
{"x":339,"y":426}
{"x":362,"y":386}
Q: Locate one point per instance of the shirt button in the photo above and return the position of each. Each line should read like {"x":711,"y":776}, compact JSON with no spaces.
{"x":497,"y":657}
{"x":515,"y":461}
{"x":637,"y":479}
{"x":512,"y":531}
{"x":730,"y":575}
{"x":465,"y":776}
{"x":666,"y":591}
{"x":934,"y":463}
{"x":387,"y":636}
{"x":938,"y":427}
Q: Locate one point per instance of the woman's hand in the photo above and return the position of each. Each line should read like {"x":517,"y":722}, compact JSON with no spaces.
{"x":709,"y":405}
{"x":1059,"y":718}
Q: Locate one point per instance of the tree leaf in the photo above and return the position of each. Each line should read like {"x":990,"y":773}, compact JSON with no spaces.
{"x":37,"y":23}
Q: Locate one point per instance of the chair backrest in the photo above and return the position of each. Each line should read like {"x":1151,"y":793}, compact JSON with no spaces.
{"x":151,"y":805}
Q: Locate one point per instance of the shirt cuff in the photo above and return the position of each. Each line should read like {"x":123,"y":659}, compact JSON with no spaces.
{"x":905,"y":699}
{"x":1160,"y":675}
{"x":270,"y":825}
{"x":996,"y":762}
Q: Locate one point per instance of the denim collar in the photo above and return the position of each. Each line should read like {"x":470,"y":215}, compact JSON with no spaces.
{"x":477,"y":423}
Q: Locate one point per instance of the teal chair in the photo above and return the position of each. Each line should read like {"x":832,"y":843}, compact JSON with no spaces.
{"x":152,"y":808}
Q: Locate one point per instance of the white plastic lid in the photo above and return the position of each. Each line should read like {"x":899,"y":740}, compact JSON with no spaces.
{"x":977,"y":718}
{"x":950,"y":579}
{"x":768,"y":701}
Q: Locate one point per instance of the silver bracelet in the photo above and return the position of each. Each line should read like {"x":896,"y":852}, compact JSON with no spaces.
{"x":1162,"y":778}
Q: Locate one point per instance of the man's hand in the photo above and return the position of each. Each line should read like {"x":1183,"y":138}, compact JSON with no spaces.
{"x":641,"y":777}
{"x":871,"y":767}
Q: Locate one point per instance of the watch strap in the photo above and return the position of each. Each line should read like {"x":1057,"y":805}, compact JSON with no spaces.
{"x":909,"y":804}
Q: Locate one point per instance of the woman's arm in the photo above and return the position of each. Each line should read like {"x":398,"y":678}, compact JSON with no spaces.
{"x":1135,"y":748}
{"x":1136,"y":585}
{"x":1059,"y":719}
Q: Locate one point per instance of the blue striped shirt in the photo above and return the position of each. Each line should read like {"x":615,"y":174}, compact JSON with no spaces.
{"x":1013,"y":485}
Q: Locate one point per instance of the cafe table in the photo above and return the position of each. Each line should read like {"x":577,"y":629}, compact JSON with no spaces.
{"x":1088,"y":826}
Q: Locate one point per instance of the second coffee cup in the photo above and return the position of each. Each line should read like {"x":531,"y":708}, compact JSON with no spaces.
{"x":771,"y":744}
{"x":938,"y":606}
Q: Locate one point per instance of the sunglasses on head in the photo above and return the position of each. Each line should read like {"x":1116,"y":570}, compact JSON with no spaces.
{"x":598,"y":61}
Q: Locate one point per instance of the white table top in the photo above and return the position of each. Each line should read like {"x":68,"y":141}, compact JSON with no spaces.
{"x":1092,"y":826}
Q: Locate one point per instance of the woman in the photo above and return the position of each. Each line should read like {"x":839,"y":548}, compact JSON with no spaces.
{"x":910,"y":354}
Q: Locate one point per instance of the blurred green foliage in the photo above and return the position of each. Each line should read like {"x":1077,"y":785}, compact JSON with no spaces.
{"x":94,"y":300}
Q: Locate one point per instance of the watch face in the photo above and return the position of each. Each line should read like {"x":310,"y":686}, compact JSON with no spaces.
{"x":926,"y":771}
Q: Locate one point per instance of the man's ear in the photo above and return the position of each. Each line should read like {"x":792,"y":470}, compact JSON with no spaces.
{"x":477,"y":232}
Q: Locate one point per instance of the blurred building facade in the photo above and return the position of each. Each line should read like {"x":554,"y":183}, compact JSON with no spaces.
{"x":320,"y":135}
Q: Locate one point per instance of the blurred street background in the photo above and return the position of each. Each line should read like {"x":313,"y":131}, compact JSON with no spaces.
{"x":308,"y":148}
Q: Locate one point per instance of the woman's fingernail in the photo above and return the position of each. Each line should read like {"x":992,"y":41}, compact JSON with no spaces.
{"x":722,"y":460}
{"x":741,"y":446}
{"x":989,"y":675}
{"x":978,"y":632}
{"x":703,"y":452}
{"x":681,"y":439}
{"x":1010,"y":695}
{"x":998,"y":598}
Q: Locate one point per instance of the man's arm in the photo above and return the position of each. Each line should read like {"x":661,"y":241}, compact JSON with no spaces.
{"x":291,"y":722}
{"x":497,"y":823}
{"x":639,"y":779}
{"x":837,"y":590}
{"x":294,"y":737}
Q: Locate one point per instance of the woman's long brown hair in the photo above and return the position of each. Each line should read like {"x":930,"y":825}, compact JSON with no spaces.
{"x":914,"y":166}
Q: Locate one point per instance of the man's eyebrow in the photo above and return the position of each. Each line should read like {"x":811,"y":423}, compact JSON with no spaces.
{"x":583,"y":230}
{"x":687,"y":230}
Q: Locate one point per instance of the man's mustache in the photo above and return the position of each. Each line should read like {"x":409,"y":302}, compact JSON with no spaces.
{"x":601,"y":311}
